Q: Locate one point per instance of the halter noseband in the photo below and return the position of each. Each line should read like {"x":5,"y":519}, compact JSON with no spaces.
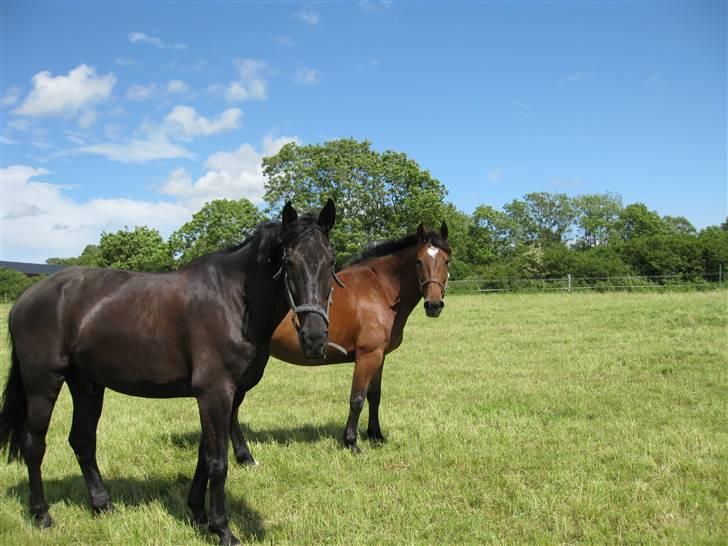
{"x":306,"y":307}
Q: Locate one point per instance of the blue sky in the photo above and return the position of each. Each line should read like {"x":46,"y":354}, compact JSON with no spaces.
{"x":119,"y":114}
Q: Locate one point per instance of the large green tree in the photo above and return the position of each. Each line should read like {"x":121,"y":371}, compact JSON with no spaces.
{"x":596,"y":217}
{"x":218,"y":224}
{"x":713,"y":243}
{"x":377,"y":195}
{"x":140,"y":249}
{"x":493,"y":235}
{"x":552,"y":214}
{"x":91,"y":257}
{"x":636,"y":221}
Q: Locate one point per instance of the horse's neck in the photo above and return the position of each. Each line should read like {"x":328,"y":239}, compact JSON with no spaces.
{"x":399,"y":272}
{"x":262,"y":300}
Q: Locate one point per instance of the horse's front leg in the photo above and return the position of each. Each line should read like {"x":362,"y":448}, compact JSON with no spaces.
{"x":215,"y":410}
{"x":368,"y":364}
{"x":240,"y":446}
{"x":374,"y":395}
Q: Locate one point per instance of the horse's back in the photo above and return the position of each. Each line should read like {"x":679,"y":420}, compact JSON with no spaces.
{"x":113,"y":327}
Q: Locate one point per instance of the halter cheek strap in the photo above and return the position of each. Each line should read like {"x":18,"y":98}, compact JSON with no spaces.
{"x":306,"y":307}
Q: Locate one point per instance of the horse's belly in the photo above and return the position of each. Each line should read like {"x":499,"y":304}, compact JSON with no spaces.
{"x":137,"y":365}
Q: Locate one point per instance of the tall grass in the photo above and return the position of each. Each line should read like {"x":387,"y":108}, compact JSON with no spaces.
{"x":517,"y":418}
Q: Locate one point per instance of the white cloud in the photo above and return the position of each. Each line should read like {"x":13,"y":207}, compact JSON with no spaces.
{"x":125,"y":61}
{"x":251,"y":85}
{"x":374,"y":5}
{"x":78,"y":139}
{"x":42,"y":221}
{"x":87,"y":119}
{"x":36,"y":136}
{"x":522,"y":105}
{"x":185,"y":121}
{"x":572,"y":78}
{"x":230,"y":175}
{"x":71,"y":95}
{"x":307,"y":76}
{"x":495,"y":176}
{"x":138,"y":150}
{"x":286,"y":41}
{"x":11,"y":97}
{"x":141,"y":38}
{"x":311,"y":18}
{"x":141,"y":92}
{"x":21,"y":210}
{"x":177,"y":86}
{"x":154,"y":141}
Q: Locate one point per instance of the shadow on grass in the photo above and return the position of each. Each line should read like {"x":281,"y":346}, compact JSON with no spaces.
{"x":171,"y":493}
{"x":307,"y":434}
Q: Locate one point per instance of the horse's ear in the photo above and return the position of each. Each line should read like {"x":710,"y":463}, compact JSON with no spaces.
{"x":289,"y":214}
{"x":327,"y":216}
{"x":443,"y":230}
{"x":421,"y":233}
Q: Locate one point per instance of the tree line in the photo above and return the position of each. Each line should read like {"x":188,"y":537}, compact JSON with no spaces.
{"x":384,"y":195}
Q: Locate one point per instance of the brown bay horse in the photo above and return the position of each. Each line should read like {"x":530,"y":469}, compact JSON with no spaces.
{"x":367,"y":319}
{"x":203,"y":331}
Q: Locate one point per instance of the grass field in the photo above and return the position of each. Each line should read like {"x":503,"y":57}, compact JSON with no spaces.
{"x":556,"y":418}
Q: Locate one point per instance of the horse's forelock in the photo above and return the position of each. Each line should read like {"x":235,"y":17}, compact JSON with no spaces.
{"x":435,"y":239}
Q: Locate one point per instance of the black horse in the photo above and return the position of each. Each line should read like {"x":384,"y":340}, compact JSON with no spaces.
{"x":203,"y":331}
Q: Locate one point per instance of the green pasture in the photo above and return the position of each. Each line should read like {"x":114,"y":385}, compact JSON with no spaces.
{"x":511,"y":419}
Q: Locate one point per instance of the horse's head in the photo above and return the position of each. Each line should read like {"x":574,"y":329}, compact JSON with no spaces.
{"x":433,"y":261}
{"x":307,"y":271}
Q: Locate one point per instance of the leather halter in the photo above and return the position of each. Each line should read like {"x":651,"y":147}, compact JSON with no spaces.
{"x":425,"y":282}
{"x":306,"y":307}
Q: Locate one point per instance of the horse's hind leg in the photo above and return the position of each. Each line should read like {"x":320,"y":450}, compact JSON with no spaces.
{"x":240,"y":446}
{"x":88,"y":401}
{"x":41,"y":400}
{"x":196,"y":497}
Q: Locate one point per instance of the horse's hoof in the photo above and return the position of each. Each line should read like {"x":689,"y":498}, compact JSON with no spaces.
{"x":247,"y":460}
{"x":377,"y":438}
{"x":354,"y":449}
{"x":105,"y":508}
{"x":229,"y":539}
{"x":43,"y":520}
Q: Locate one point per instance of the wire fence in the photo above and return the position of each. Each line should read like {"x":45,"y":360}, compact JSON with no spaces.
{"x":569,"y":283}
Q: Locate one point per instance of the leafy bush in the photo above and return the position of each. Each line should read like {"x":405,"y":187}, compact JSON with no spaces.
{"x":13,"y":283}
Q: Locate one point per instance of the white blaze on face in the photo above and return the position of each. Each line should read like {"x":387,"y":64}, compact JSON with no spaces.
{"x":432,"y":251}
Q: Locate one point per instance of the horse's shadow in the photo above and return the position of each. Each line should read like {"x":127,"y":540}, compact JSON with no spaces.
{"x":306,"y":434}
{"x":171,"y":493}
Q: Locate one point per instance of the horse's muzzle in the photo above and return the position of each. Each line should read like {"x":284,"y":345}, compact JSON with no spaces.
{"x":313,"y":337}
{"x":434,"y":308}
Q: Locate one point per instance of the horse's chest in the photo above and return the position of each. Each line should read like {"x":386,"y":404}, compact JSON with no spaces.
{"x":246,"y":361}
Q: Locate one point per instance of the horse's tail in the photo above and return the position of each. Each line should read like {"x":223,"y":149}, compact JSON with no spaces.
{"x":14,"y":412}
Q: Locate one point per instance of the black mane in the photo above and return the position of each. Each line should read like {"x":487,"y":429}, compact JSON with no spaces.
{"x":269,"y":234}
{"x":392,"y":246}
